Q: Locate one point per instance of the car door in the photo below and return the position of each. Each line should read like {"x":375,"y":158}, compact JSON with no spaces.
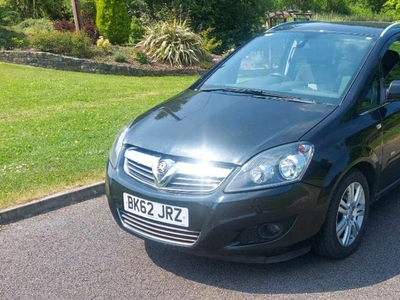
{"x":391,"y":119}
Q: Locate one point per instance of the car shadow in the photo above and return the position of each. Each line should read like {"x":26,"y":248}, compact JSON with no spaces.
{"x":375,"y":261}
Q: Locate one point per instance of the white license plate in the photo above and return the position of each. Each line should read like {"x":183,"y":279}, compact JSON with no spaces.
{"x":174,"y":215}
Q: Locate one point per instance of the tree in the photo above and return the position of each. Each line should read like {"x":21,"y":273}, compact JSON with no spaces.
{"x":232,"y":22}
{"x":394,"y":4}
{"x":51,"y":9}
{"x":336,"y":6}
{"x":77,"y":14}
{"x":112,"y":20}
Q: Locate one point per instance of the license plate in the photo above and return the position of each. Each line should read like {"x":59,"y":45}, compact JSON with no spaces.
{"x":174,"y":215}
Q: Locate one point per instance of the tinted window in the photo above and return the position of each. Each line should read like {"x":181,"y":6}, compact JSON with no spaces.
{"x":314,"y":66}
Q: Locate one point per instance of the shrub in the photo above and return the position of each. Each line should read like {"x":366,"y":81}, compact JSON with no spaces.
{"x":89,"y":27}
{"x":112,"y":20}
{"x":64,"y":25}
{"x":141,"y":57}
{"x":8,"y":16}
{"x":81,"y":45}
{"x":104,"y":44}
{"x":67,"y":43}
{"x":10,"y":39}
{"x":210,"y":43}
{"x":137,"y":30}
{"x":206,"y":65}
{"x":173,"y":42}
{"x":119,"y":57}
{"x":32,"y":27}
{"x":88,"y":9}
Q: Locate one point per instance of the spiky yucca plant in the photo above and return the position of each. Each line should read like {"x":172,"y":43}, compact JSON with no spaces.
{"x":173,"y":42}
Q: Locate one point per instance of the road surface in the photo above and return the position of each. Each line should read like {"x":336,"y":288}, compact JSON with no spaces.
{"x":78,"y":252}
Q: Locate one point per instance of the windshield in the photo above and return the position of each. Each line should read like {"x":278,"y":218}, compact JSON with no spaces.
{"x":311,"y":66}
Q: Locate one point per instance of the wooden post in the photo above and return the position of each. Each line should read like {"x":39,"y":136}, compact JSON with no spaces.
{"x":77,"y":15}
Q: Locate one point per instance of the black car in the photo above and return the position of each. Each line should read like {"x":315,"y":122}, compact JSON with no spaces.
{"x":278,"y":149}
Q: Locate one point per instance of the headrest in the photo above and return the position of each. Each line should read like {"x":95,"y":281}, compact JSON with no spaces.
{"x":390,"y":58}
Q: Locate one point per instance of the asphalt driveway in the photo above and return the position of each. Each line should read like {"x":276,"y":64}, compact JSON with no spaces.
{"x":78,"y":252}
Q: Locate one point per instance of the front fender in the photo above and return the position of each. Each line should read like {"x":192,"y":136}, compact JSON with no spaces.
{"x":363,"y":158}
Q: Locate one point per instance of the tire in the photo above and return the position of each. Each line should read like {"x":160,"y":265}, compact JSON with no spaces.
{"x":346,"y":219}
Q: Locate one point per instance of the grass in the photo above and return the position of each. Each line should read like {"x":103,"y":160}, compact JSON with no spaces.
{"x":56,"y":127}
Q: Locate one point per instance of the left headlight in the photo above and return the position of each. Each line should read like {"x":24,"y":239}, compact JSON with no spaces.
{"x":117,"y":146}
{"x":274,"y":167}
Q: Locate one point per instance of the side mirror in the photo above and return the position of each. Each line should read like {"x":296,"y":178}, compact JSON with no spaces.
{"x":393,"y":92}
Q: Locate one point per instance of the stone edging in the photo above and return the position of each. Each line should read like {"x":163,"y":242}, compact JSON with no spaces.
{"x":60,"y":62}
{"x":53,"y":202}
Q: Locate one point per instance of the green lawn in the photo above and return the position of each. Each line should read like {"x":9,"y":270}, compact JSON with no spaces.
{"x":56,"y":127}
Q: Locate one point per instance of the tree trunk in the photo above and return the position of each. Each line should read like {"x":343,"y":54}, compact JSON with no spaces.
{"x":77,"y":14}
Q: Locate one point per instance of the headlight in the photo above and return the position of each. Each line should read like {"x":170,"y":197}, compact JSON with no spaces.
{"x":117,"y":146}
{"x":274,"y":167}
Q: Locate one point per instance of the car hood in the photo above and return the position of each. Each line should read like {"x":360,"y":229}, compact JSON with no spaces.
{"x":221,"y":126}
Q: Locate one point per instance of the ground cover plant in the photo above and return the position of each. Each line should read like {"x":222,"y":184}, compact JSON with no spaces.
{"x":56,"y":127}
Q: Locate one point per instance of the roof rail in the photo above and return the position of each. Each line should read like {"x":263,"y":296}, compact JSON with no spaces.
{"x":391,"y":26}
{"x":287,"y":24}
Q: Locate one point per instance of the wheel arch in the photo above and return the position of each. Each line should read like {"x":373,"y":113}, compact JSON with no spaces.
{"x":367,"y":165}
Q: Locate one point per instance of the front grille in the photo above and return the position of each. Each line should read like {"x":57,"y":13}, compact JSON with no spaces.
{"x":157,"y":230}
{"x":185,"y":177}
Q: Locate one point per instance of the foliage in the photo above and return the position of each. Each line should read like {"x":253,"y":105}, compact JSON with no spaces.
{"x":173,"y":42}
{"x":104,"y":44}
{"x":11,"y":39}
{"x":54,"y":9}
{"x":32,"y":27}
{"x":392,"y":4}
{"x":56,"y":131}
{"x":112,"y":20}
{"x":137,"y":30}
{"x":89,"y":27}
{"x":8,"y":16}
{"x":206,"y":65}
{"x":359,"y":14}
{"x":88,"y":9}
{"x":140,"y":57}
{"x":234,"y":22}
{"x":66,"y":43}
{"x":64,"y":25}
{"x":51,"y":9}
{"x":137,"y":8}
{"x":210,"y":43}
{"x":119,"y":57}
{"x":375,"y":5}
{"x":331,"y":6}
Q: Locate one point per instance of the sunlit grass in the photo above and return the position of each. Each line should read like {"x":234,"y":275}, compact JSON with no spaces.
{"x":56,"y":127}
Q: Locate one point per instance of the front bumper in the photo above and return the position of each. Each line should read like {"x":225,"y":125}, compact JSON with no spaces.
{"x":228,"y":226}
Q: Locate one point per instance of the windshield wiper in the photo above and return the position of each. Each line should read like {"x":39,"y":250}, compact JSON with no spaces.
{"x":258,"y":93}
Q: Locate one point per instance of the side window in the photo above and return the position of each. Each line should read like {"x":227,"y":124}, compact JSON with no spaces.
{"x":370,"y":96}
{"x":390,"y":63}
{"x":394,"y":74}
{"x":390,"y":70}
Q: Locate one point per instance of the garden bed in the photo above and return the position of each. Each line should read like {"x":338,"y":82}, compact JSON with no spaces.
{"x":128,"y":68}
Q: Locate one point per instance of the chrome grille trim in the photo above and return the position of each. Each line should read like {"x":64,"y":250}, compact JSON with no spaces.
{"x":156,"y":230}
{"x":186,"y":177}
{"x":140,"y":170}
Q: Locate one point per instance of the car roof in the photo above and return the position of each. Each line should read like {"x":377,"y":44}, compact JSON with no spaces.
{"x":355,"y":27}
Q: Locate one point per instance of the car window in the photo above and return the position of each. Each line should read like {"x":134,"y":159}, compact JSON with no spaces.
{"x":307,"y":65}
{"x":390,"y":63}
{"x":262,"y":62}
{"x":371,"y":96}
{"x":394,"y":74}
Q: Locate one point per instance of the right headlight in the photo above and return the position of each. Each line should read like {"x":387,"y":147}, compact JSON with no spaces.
{"x":274,"y":167}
